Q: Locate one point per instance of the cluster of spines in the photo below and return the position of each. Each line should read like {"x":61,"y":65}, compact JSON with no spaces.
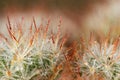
{"x":26,"y":50}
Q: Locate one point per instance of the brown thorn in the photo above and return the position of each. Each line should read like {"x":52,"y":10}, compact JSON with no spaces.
{"x":34,"y":22}
{"x":10,"y":33}
{"x":63,"y":41}
{"x":46,"y":29}
{"x":9,"y":24}
{"x":115,"y":44}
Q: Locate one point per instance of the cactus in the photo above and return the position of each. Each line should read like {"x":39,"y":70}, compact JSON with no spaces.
{"x":101,"y":60}
{"x":27,"y":53}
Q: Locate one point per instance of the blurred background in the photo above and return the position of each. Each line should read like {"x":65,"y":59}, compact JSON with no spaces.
{"x":75,"y":13}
